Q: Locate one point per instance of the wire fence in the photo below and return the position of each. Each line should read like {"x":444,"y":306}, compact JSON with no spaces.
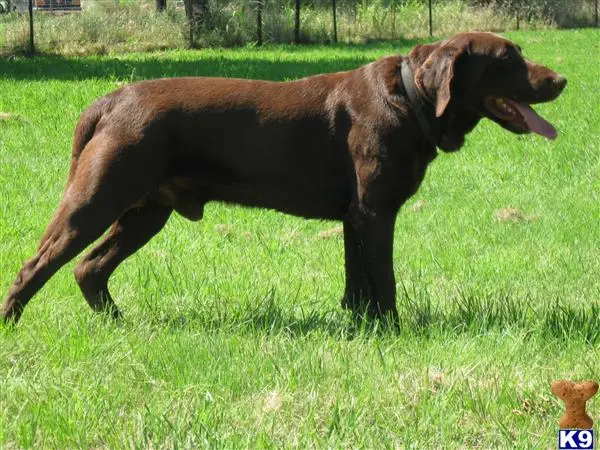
{"x":100,"y":26}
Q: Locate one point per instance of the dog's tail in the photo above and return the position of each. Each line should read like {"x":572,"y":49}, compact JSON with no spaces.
{"x":85,"y":129}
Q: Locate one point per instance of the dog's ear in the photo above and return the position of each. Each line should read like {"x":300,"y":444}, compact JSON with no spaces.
{"x":436,"y":75}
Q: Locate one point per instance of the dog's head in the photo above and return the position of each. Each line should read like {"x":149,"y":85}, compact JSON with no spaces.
{"x":476,"y":75}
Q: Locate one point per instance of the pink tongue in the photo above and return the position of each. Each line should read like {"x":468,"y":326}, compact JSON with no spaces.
{"x":534,"y":122}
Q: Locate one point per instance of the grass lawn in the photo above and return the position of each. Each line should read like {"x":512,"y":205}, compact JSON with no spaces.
{"x":233,"y":335}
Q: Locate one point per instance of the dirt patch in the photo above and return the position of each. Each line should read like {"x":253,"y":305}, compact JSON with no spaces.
{"x":436,"y":380}
{"x":332,"y":232}
{"x":513,"y":215}
{"x":418,"y":205}
{"x":224,"y":229}
{"x":291,"y":236}
{"x":273,"y":401}
{"x":6,"y":117}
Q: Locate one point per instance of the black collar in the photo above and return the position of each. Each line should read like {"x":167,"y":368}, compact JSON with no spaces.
{"x":421,"y":107}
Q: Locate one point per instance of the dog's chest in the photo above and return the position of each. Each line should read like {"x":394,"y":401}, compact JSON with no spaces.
{"x":412,"y":167}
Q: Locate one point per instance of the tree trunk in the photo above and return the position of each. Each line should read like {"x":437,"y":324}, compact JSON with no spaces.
{"x":197,"y":12}
{"x":161,"y":5}
{"x":202,"y":12}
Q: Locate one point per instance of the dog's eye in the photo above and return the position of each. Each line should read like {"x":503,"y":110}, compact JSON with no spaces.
{"x":503,"y":66}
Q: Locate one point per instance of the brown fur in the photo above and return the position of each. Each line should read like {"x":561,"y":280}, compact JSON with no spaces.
{"x":343,"y":146}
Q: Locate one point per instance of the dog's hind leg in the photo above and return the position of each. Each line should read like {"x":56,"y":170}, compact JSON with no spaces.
{"x":64,"y":239}
{"x":107,"y":183}
{"x":127,"y":235}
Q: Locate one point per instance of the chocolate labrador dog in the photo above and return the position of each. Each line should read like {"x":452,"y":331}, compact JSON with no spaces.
{"x":351,"y":146}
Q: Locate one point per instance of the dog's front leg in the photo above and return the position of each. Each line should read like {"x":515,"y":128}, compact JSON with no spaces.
{"x":356,"y":293}
{"x":375,"y":239}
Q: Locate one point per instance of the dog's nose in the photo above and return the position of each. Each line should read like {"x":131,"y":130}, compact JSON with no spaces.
{"x":559,"y":82}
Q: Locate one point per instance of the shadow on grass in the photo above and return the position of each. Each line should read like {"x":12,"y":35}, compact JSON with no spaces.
{"x":467,"y":314}
{"x":483,"y":313}
{"x":172,"y":64}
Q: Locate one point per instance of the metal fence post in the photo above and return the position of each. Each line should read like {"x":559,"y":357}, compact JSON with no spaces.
{"x":393,"y":6}
{"x":334,"y":21}
{"x":259,"y":22}
{"x":31,"y":50}
{"x":297,"y":23}
{"x":430,"y":20}
{"x":596,"y":14}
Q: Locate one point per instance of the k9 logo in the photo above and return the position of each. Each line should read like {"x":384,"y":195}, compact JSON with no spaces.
{"x":575,"y":439}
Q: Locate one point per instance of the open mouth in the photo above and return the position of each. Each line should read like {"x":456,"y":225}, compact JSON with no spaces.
{"x":519,"y":116}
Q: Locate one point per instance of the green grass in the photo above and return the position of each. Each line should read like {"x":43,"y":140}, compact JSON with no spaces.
{"x":233,"y":335}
